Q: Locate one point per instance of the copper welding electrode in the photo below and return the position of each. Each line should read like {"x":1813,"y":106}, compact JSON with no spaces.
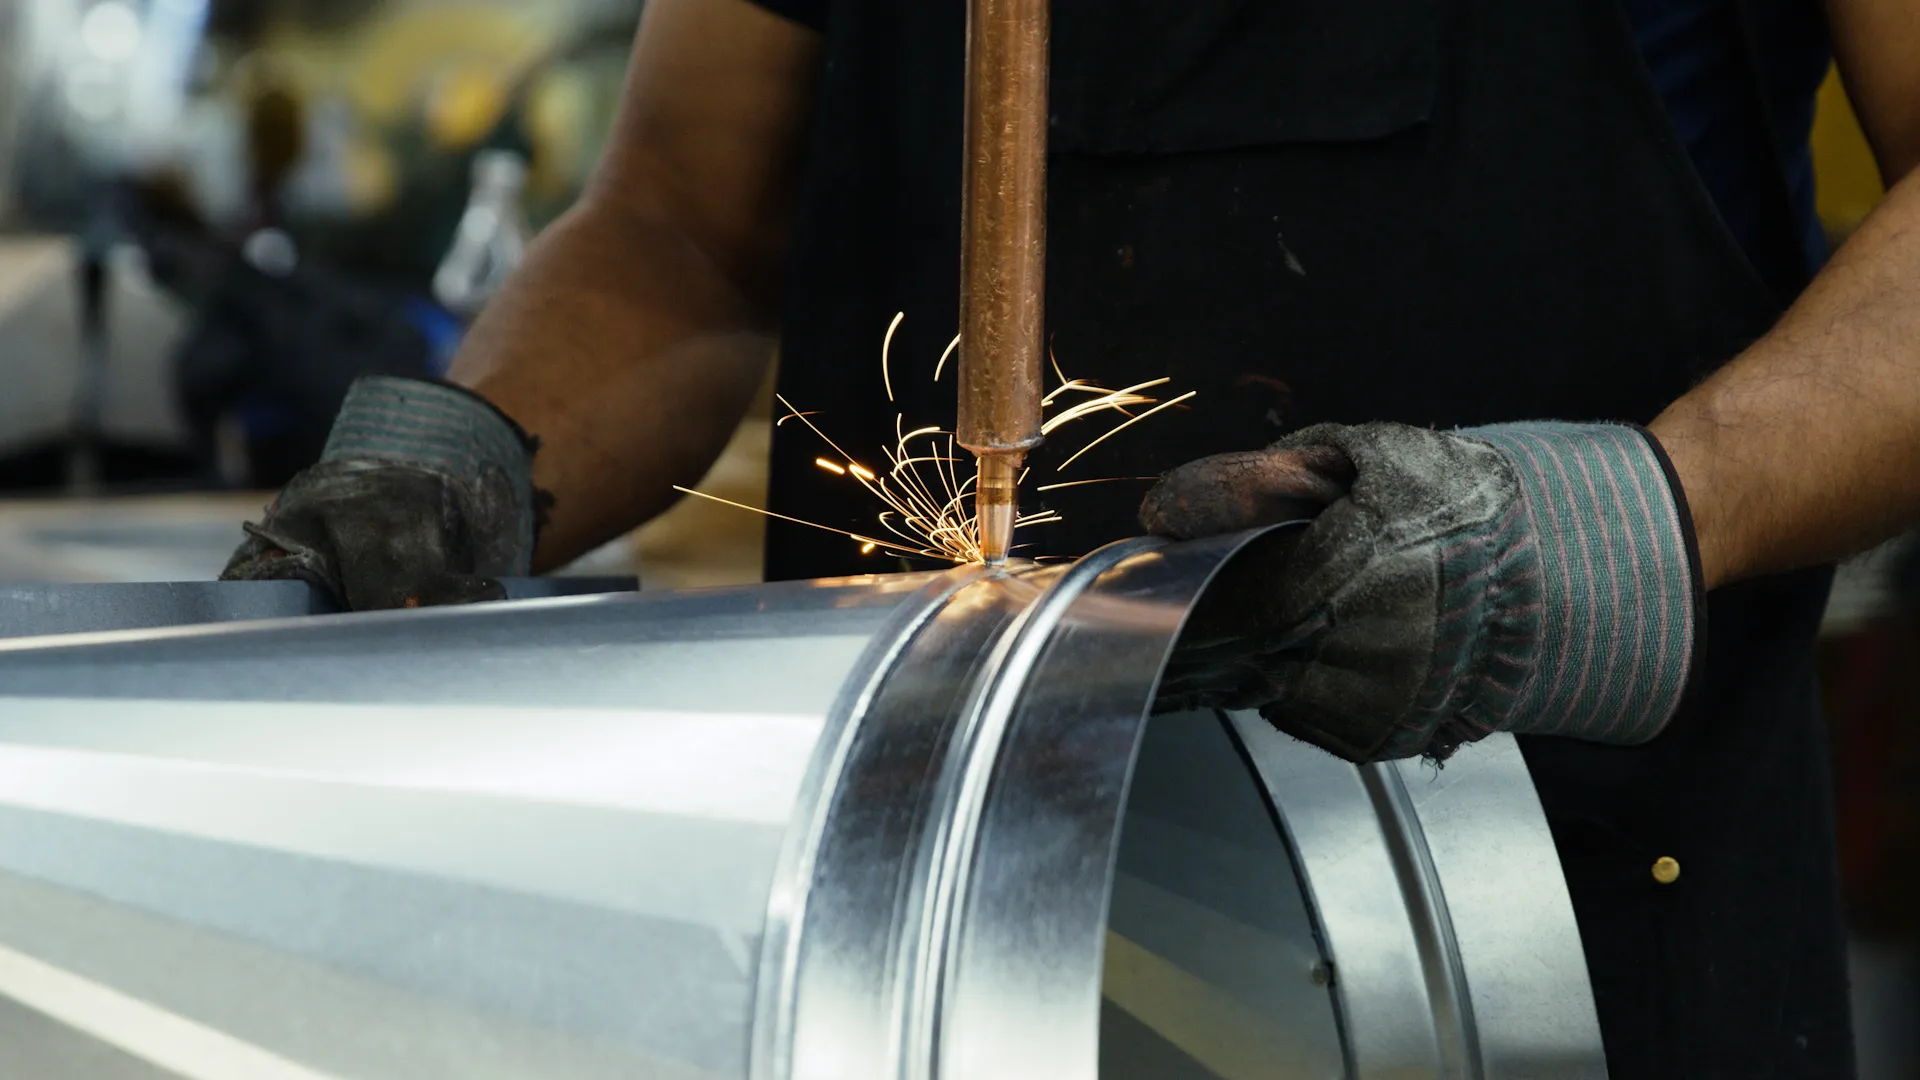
{"x":1003,"y":259}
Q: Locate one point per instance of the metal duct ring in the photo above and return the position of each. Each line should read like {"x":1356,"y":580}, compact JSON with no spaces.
{"x":902,"y":827}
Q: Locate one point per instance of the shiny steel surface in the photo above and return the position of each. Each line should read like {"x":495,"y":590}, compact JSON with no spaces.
{"x":31,"y":610}
{"x":1482,"y":822}
{"x":525,"y":840}
{"x":829,"y":1002}
{"x":941,"y":1036}
{"x":1439,"y":895}
{"x":1030,"y":867}
{"x":915,"y":826}
{"x":1213,"y":962}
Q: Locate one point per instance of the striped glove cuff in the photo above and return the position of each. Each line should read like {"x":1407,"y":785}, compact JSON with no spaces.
{"x":441,"y":428}
{"x":1621,"y":580}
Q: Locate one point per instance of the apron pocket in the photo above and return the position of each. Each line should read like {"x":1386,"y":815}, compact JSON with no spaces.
{"x":1173,"y":76}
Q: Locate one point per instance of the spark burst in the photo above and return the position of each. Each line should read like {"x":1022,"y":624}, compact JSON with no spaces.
{"x":928,"y":501}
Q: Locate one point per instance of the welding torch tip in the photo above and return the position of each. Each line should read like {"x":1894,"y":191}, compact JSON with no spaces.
{"x":996,"y":534}
{"x":998,"y":506}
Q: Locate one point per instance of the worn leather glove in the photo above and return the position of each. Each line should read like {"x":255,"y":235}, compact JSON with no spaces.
{"x":1536,"y":578}
{"x":424,"y":496}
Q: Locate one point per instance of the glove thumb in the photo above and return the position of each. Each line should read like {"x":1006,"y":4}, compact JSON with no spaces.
{"x":1230,"y":493}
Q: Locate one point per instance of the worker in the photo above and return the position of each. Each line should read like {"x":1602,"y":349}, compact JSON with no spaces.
{"x":1448,"y":254}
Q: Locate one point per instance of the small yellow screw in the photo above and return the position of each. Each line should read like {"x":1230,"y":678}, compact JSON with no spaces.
{"x":1666,"y":870}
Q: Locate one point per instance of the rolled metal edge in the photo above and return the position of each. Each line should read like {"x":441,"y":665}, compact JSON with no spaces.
{"x":1025,"y":915}
{"x":1520,"y":956}
{"x":1479,"y":970}
{"x":1448,"y":960}
{"x":967,"y":790}
{"x":851,"y":976}
{"x":814,"y":891}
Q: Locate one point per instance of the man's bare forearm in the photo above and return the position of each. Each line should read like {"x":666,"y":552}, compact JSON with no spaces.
{"x":632,"y":357}
{"x":1806,"y":448}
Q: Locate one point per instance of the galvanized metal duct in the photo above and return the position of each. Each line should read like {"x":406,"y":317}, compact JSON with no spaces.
{"x":904,"y":827}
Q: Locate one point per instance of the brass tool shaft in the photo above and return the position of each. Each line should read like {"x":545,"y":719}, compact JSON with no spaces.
{"x":1003,"y":254}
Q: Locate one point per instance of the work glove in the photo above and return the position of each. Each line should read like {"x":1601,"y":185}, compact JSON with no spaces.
{"x":1536,"y":578}
{"x":424,"y":496}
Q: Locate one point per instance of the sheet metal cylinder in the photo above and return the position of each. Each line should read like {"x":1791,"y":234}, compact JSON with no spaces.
{"x":914,"y":826}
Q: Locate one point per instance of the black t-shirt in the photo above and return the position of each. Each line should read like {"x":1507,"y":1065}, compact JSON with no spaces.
{"x":1467,"y":270}
{"x":805,"y":12}
{"x":1694,"y":63}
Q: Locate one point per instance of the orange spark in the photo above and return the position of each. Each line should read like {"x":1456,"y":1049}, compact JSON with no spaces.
{"x":927,"y":501}
{"x":944,"y":357}
{"x":1188,"y":396}
{"x":886,"y":351}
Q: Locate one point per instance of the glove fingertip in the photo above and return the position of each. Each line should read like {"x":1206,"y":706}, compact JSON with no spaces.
{"x":457,"y":590}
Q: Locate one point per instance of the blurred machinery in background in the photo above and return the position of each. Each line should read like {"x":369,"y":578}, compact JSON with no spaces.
{"x":492,"y":238}
{"x":12,"y":55}
{"x":1870,"y":678}
{"x":318,"y":189}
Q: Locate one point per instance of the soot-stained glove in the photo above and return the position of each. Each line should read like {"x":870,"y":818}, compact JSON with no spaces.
{"x":424,"y":496}
{"x":1536,"y":578}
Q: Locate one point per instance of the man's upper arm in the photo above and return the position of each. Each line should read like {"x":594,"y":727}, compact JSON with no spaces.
{"x":711,"y":133}
{"x":1877,"y":44}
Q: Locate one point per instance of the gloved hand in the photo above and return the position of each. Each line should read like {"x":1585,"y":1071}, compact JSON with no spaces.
{"x":1536,"y":578}
{"x":423,"y":496}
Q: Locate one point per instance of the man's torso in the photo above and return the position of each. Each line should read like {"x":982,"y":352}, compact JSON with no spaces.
{"x":1439,"y":212}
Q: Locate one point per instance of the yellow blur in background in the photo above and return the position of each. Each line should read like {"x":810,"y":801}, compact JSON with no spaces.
{"x":449,"y":74}
{"x":1847,"y":181}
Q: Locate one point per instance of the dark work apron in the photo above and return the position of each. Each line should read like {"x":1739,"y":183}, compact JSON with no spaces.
{"x":1441,"y":212}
